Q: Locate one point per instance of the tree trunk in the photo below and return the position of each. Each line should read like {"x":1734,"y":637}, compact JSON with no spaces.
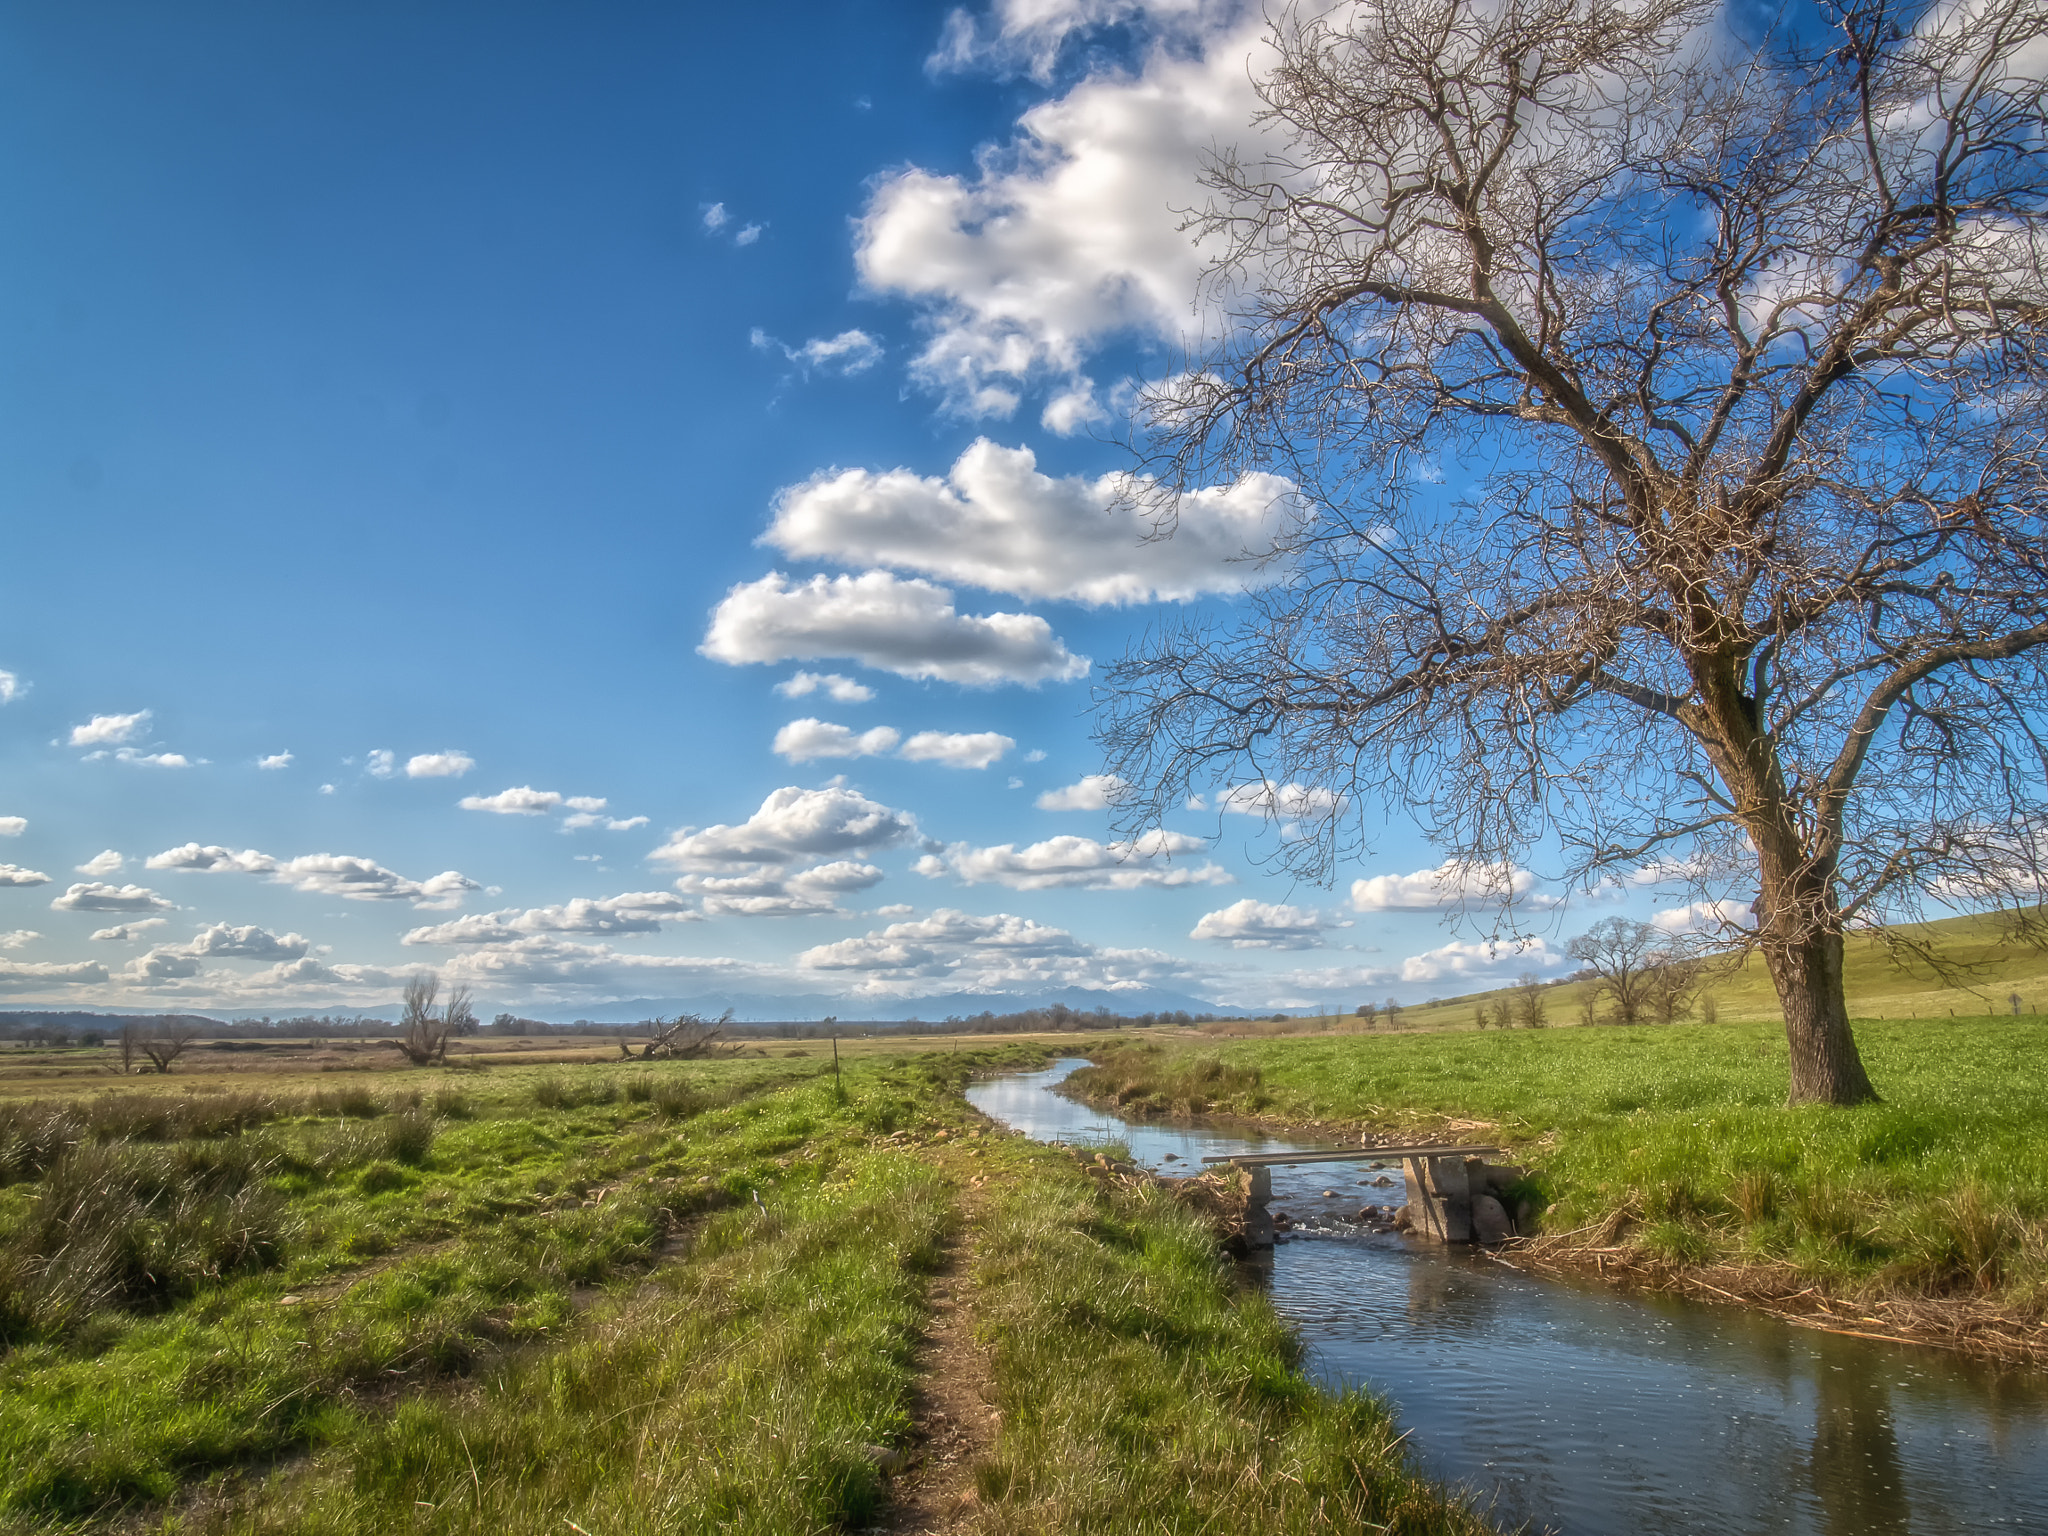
{"x":1826,"y":1067}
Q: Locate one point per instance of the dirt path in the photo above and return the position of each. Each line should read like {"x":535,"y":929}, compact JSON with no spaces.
{"x":953,"y":1426}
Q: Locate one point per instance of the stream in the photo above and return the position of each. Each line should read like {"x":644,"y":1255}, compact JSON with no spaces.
{"x":1582,"y":1410}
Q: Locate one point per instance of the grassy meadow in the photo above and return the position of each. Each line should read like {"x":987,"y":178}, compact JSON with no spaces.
{"x":1674,"y":1141}
{"x":615,"y":1297}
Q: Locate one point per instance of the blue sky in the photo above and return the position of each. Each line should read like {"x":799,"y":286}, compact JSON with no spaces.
{"x":404,"y":406}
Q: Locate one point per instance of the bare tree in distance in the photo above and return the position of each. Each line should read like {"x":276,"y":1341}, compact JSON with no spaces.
{"x":161,"y":1041}
{"x":1674,"y":985}
{"x":1528,"y":1006}
{"x":1623,"y":956}
{"x":423,"y":1034}
{"x":1737,"y":353}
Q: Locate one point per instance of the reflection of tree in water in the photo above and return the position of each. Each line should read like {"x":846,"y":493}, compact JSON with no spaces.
{"x":1857,"y":1474}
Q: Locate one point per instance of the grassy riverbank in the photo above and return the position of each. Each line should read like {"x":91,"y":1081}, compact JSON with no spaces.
{"x":623,"y":1298}
{"x":1673,"y":1144}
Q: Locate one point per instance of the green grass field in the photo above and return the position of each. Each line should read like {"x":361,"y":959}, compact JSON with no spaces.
{"x":621,"y":1298}
{"x":1677,"y":1138}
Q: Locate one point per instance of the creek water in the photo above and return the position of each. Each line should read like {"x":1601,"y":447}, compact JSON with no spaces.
{"x":1581,"y":1410}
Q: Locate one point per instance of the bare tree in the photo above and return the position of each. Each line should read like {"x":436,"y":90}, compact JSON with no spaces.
{"x":423,"y":1034}
{"x":161,"y":1042}
{"x":1740,"y":352}
{"x":1624,"y":956}
{"x":1673,"y":985}
{"x":1527,"y":1003}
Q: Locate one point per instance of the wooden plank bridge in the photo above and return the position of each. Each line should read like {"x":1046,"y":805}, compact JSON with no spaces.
{"x":1445,"y":1184}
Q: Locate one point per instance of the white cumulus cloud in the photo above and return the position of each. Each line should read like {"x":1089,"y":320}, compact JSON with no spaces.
{"x":275,"y":760}
{"x":1479,"y":959}
{"x":1078,"y":863}
{"x":19,"y":938}
{"x":14,"y":874}
{"x":1092,"y":792}
{"x":907,"y":627}
{"x":323,"y":874}
{"x":548,"y":966}
{"x":223,"y":941}
{"x":381,"y":763}
{"x":105,"y":862}
{"x":98,"y":896}
{"x":109,"y":730}
{"x":11,"y":686}
{"x":13,"y":826}
{"x":1705,"y":917}
{"x":633,"y":912}
{"x":792,"y":825}
{"x":146,"y":759}
{"x":578,"y":820}
{"x":122,"y":933}
{"x":1250,"y":924}
{"x":522,"y":800}
{"x":773,"y":893}
{"x":1074,"y":232}
{"x":806,"y":740}
{"x":1280,"y":802}
{"x":957,"y":749}
{"x":996,"y":952}
{"x":1451,"y":884}
{"x":994,"y":521}
{"x":439,"y":765}
{"x":799,"y":853}
{"x":841,"y":690}
{"x":32,"y":976}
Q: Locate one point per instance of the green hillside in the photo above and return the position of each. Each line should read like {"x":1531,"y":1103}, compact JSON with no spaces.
{"x":1993,"y":969}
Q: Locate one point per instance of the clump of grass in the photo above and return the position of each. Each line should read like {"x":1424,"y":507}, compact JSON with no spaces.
{"x":454,"y":1104}
{"x":675,"y":1099}
{"x":354,"y":1102}
{"x":408,"y":1138}
{"x":1966,"y":1242}
{"x":1755,"y":1193}
{"x":124,"y":1228}
{"x":34,"y":1135}
{"x":553,"y":1090}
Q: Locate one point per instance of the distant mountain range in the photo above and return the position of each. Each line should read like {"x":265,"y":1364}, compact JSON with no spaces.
{"x":755,"y":1008}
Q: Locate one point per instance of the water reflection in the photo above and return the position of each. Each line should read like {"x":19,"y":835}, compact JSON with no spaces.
{"x":1589,"y":1412}
{"x":1858,"y":1475}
